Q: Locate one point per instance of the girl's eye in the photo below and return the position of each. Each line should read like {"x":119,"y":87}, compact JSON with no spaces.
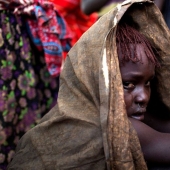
{"x":128,"y":85}
{"x":148,"y":83}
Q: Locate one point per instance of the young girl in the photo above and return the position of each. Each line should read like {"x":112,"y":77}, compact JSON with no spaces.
{"x":89,"y":128}
{"x":137,"y":62}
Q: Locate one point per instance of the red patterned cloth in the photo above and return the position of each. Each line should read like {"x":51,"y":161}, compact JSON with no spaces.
{"x":76,"y":20}
{"x":48,"y":29}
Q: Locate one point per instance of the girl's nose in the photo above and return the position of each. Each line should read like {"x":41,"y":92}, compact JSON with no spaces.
{"x":142,"y":96}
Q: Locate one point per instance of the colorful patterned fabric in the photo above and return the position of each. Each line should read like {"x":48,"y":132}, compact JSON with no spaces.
{"x":48,"y":30}
{"x":27,"y":91}
{"x":51,"y":35}
{"x":76,"y":20}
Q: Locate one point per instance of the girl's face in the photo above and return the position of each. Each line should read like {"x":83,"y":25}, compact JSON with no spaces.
{"x":136,"y":78}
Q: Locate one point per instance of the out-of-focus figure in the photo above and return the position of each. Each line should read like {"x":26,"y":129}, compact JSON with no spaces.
{"x":100,"y":6}
{"x":75,"y":18}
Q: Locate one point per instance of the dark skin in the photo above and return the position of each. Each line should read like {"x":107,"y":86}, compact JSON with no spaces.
{"x":90,"y":6}
{"x":136,"y":78}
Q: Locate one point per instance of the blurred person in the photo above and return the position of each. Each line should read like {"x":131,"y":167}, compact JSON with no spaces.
{"x":99,"y":6}
{"x":77,"y":21}
{"x":33,"y":38}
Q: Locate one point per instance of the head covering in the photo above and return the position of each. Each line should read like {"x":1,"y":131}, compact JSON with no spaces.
{"x":89,"y":128}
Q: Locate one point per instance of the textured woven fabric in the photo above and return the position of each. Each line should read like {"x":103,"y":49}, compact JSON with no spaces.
{"x":89,"y":128}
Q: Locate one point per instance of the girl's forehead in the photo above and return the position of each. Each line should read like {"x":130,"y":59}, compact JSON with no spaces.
{"x":144,"y":67}
{"x":131,"y":44}
{"x":137,"y":53}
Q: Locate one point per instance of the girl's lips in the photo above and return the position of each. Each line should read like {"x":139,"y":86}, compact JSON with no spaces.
{"x":138,"y":116}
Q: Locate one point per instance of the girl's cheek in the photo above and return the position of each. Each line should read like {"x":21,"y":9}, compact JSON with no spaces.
{"x":128,"y":97}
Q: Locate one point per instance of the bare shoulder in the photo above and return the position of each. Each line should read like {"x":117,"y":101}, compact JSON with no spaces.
{"x":155,"y":145}
{"x":142,"y":127}
{"x":161,"y":124}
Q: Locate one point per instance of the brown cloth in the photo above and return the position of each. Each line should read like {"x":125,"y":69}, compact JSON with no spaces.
{"x":89,"y":128}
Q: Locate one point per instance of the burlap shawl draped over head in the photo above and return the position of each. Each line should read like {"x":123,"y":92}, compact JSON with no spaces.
{"x":89,"y":128}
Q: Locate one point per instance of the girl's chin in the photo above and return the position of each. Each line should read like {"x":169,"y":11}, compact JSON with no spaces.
{"x":139,"y":117}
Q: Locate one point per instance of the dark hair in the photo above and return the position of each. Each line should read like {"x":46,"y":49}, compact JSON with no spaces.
{"x":126,"y":36}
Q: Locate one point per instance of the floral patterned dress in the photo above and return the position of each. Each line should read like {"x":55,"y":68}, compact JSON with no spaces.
{"x":27,"y":91}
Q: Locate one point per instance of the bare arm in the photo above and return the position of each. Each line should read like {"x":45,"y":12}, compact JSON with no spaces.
{"x":90,"y":6}
{"x":158,"y":123}
{"x":155,"y":145}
